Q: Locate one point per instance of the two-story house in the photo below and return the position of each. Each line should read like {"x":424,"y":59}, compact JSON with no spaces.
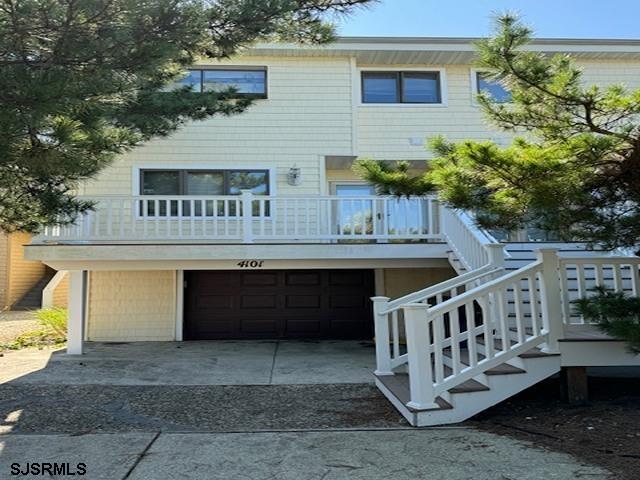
{"x":255,"y":227}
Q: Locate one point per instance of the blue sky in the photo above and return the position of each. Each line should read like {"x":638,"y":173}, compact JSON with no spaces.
{"x":472,"y":18}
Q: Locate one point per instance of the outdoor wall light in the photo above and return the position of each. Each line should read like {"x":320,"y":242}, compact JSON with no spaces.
{"x":294,"y":177}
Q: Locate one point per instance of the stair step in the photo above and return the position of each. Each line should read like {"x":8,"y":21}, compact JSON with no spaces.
{"x":533,"y":353}
{"x":398,"y":385}
{"x":502,"y":369}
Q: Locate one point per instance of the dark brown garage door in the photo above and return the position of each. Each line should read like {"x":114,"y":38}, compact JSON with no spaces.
{"x":278,"y":304}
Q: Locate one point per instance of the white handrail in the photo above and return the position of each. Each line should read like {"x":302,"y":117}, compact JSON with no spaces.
{"x":48,"y":291}
{"x":447,"y":285}
{"x":248,"y":217}
{"x":436,"y":335}
{"x":467,"y":241}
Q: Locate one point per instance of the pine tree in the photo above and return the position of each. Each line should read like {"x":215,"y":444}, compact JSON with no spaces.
{"x":84,"y":80}
{"x":574,"y":170}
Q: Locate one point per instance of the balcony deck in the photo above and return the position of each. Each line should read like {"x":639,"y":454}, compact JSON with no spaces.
{"x":248,"y":218}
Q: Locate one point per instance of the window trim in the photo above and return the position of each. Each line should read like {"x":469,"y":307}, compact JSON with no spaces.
{"x":239,"y":68}
{"x":359,"y":85}
{"x":475,"y":90}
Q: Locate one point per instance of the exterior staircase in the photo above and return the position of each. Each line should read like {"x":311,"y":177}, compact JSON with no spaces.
{"x":457,"y":348}
{"x":32,"y":300}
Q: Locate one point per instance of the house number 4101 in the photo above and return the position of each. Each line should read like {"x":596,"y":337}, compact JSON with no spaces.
{"x":250,"y":264}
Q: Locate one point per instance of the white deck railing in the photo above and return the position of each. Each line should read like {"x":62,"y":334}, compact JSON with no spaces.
{"x":452,"y":340}
{"x":467,"y":241}
{"x":580,"y":276}
{"x":247,"y":218}
{"x":389,"y":315}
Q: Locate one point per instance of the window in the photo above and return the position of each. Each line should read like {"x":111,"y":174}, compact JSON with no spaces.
{"x":494,"y":89}
{"x":401,"y":87}
{"x":250,"y":82}
{"x":200,"y":182}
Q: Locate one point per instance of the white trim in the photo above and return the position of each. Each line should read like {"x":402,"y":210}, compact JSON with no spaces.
{"x":355,"y":100}
{"x":334,"y":183}
{"x":322,"y":165}
{"x":135,"y":171}
{"x":444,"y":92}
{"x":473,"y":80}
{"x":179,"y":278}
{"x":473,"y":77}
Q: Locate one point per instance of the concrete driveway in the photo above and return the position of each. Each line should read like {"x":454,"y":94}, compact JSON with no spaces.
{"x":195,"y":363}
{"x":238,"y":410}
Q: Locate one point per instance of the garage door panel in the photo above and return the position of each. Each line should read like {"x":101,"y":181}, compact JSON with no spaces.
{"x":257,"y":328}
{"x":259,"y":279}
{"x":269,"y":302}
{"x":346,"y":301}
{"x":279,"y":304}
{"x":309,"y":278}
{"x":224,"y":302}
{"x":346,"y":277}
{"x":303,"y":301}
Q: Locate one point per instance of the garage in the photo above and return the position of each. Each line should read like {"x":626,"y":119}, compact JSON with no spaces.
{"x":278,"y":304}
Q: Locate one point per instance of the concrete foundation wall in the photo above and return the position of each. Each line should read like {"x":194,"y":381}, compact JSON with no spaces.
{"x":132,"y":306}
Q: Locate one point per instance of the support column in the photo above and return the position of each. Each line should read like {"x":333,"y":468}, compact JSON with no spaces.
{"x":180,"y":286}
{"x":574,"y":385}
{"x":77,"y":308}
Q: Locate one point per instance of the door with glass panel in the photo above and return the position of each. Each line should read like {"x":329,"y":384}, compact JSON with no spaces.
{"x":385,"y":217}
{"x":354,"y":215}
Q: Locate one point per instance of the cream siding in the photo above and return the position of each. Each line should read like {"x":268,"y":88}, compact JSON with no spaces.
{"x":307,"y":116}
{"x":402,"y":281}
{"x":132,"y":306}
{"x":4,"y":270}
{"x":61,"y":293}
{"x":384,"y":131}
{"x":21,"y":274}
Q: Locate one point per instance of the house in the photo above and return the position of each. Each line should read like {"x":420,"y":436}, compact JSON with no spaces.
{"x":23,"y":282}
{"x":255,"y":227}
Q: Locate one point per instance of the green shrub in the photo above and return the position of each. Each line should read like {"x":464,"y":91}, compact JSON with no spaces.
{"x":615,"y":313}
{"x":52,"y":331}
{"x":54,"y":319}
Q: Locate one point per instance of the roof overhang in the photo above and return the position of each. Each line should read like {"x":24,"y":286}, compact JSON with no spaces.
{"x":399,"y":50}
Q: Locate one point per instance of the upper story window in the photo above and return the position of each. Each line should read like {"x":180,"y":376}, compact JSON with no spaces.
{"x":249,"y":81}
{"x":495,"y":90}
{"x":418,"y":87}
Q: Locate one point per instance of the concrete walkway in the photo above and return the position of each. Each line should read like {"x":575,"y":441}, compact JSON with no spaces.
{"x":195,"y":363}
{"x":454,"y":454}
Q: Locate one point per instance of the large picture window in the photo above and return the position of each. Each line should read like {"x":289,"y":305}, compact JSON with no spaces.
{"x":159,"y":182}
{"x":401,"y":87}
{"x":249,"y":81}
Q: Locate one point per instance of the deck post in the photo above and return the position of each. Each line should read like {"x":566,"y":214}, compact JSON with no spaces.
{"x":381,"y":325}
{"x":574,"y":385}
{"x":76,"y":309}
{"x":551,"y":298}
{"x":247,"y":216}
{"x":419,"y":354}
{"x":495,"y":251}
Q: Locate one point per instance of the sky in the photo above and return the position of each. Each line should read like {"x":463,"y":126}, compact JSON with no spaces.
{"x":472,"y":18}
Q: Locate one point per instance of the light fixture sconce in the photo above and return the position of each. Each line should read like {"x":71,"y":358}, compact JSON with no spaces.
{"x":294,"y":177}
